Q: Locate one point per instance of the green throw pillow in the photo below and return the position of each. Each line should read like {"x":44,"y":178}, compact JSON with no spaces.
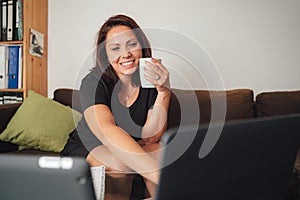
{"x":41,"y":123}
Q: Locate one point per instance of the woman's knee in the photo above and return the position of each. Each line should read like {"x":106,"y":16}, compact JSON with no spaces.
{"x":154,"y":150}
{"x":152,"y":147}
{"x":107,"y":159}
{"x":93,"y":162}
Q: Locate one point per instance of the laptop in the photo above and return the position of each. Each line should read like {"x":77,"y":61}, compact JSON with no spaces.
{"x":46,"y":178}
{"x":252,"y":160}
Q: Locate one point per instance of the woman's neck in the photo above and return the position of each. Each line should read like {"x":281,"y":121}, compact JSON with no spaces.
{"x":128,"y":93}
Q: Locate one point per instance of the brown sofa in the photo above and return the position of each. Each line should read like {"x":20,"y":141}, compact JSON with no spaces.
{"x":240,"y":103}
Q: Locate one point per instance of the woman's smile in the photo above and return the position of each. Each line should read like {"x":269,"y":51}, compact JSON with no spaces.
{"x":127,"y":63}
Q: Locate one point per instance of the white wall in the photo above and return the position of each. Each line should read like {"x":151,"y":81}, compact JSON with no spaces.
{"x":254,"y":43}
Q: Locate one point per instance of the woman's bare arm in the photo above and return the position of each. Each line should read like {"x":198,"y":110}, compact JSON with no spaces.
{"x":101,"y":122}
{"x":156,"y":123}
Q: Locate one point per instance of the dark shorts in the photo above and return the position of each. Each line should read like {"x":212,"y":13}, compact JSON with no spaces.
{"x":74,"y":146}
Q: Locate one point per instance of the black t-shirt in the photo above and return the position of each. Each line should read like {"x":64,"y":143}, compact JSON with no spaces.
{"x":97,"y":89}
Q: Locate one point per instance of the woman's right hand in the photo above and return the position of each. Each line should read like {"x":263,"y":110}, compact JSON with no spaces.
{"x":159,"y":75}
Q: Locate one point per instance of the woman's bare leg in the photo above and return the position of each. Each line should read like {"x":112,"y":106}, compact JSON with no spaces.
{"x":152,"y":148}
{"x":118,"y":184}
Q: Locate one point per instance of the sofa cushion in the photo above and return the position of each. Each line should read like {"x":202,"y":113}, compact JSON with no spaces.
{"x":277,"y":103}
{"x":239,"y":104}
{"x":41,"y":123}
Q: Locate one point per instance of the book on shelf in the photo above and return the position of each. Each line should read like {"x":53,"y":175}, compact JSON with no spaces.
{"x":1,"y":13}
{"x":19,"y":97}
{"x":11,"y":97}
{"x":19,"y":20}
{"x":3,"y":67}
{"x":1,"y":98}
{"x":11,"y":66}
{"x":20,"y":68}
{"x":11,"y":20}
{"x":3,"y":9}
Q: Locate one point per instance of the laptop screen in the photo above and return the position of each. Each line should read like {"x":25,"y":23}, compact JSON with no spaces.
{"x":47,"y":178}
{"x":252,"y":159}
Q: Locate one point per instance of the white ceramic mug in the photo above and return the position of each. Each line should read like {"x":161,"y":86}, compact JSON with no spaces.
{"x":144,"y":82}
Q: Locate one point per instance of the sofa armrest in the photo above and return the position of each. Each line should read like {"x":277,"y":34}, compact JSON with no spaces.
{"x":7,"y":111}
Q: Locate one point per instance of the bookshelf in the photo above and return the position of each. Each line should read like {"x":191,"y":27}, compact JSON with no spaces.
{"x":35,"y":69}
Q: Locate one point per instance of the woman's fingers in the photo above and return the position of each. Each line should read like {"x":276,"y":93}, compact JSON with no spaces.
{"x":156,"y":72}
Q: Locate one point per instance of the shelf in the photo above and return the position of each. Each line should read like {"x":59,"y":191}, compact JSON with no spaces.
{"x":11,"y":42}
{"x":35,"y":69}
{"x":11,"y":90}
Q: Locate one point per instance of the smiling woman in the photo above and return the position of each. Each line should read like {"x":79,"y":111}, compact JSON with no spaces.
{"x":122,"y":122}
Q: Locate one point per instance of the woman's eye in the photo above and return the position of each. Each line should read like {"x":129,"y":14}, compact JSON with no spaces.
{"x":115,"y":48}
{"x":133,"y":44}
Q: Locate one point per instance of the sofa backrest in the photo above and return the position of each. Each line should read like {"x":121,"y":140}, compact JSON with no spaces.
{"x":239,"y":104}
{"x":68,"y":97}
{"x":277,"y":103}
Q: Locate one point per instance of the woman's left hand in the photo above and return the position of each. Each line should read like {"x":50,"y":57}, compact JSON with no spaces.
{"x":159,"y":75}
